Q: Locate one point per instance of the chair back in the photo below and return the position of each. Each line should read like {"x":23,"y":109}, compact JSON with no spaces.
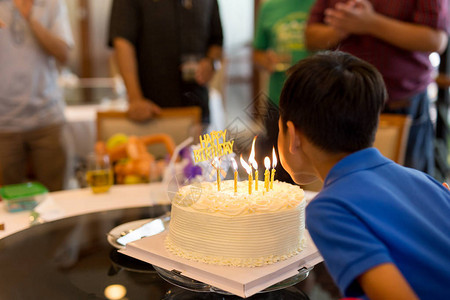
{"x":392,"y":136}
{"x":178,"y":123}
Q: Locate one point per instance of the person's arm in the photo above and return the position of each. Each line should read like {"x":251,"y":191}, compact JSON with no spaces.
{"x":2,"y":24}
{"x":126,"y":61}
{"x":318,"y":35}
{"x":386,"y":282}
{"x":52,"y":44}
{"x":359,"y":17}
{"x":139,"y":108}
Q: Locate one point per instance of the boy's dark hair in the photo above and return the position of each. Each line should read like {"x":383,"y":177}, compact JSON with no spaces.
{"x":335,"y":99}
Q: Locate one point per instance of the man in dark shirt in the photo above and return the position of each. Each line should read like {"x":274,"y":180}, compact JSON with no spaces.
{"x":397,"y":38}
{"x":153,"y":39}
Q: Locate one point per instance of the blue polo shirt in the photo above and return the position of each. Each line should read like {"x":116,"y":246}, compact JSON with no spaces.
{"x":373,"y":211}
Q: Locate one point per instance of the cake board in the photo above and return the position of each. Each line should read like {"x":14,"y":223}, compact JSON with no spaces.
{"x":241,"y":281}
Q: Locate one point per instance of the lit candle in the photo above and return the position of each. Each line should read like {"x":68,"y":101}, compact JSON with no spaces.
{"x":235,"y":174}
{"x":266,"y":173}
{"x":253,"y":163}
{"x":216,"y":164}
{"x":274,"y":164}
{"x":249,"y":171}
{"x":255,"y":166}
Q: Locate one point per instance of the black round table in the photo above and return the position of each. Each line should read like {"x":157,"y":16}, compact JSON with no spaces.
{"x":72,"y":259}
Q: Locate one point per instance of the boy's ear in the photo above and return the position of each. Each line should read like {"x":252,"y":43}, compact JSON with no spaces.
{"x":294,"y":139}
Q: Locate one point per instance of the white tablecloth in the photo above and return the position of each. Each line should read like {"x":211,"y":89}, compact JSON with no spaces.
{"x":82,"y":201}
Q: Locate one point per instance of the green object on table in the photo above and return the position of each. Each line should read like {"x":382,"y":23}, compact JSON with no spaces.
{"x":23,"y":196}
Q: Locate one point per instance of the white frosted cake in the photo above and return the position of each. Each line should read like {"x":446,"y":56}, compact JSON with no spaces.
{"x":237,"y":229}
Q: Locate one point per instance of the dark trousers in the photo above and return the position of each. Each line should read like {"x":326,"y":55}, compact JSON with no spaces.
{"x":44,"y":148}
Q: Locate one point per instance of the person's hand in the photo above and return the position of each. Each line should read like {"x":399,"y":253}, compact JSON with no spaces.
{"x":2,"y":24}
{"x":352,"y":17}
{"x":142,"y":109}
{"x":266,"y":59}
{"x":205,"y":71}
{"x":271,"y":60}
{"x":446,"y":185}
{"x":24,"y":7}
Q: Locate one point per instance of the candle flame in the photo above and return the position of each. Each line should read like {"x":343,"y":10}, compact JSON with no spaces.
{"x":267,"y":162}
{"x":274,"y":158}
{"x":233,"y":161}
{"x":251,"y":158}
{"x":254,"y":164}
{"x":246,"y":166}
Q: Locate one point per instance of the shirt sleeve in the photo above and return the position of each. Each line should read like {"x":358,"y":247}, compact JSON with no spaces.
{"x":216,"y":33}
{"x":261,"y":41}
{"x":345,"y":242}
{"x":60,"y":25}
{"x":433,"y":13}
{"x":316,"y":14}
{"x":124,"y":21}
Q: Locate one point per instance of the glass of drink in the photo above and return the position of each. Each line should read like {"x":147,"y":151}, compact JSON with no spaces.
{"x":99,"y":175}
{"x":189,"y":65}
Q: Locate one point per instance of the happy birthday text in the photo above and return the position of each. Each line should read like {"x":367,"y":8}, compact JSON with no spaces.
{"x":213,"y":145}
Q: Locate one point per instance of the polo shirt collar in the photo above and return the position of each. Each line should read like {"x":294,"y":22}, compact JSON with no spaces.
{"x":361,"y":160}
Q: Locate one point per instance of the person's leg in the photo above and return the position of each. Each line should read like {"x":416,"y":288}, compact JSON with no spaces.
{"x":48,"y":156}
{"x":13,"y":158}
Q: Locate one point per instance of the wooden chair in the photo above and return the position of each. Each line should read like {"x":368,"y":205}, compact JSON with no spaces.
{"x":443,"y":81}
{"x":392,"y":136}
{"x":178,"y":123}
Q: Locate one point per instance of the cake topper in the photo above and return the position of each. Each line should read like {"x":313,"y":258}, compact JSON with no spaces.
{"x":213,"y":145}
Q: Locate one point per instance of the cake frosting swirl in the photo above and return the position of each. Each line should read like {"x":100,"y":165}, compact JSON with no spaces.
{"x":238,"y":229}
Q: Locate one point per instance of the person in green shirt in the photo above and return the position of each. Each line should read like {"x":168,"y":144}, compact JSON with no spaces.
{"x":278,"y":44}
{"x":279,"y":39}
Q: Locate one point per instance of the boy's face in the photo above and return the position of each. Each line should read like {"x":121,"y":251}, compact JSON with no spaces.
{"x":292,"y":158}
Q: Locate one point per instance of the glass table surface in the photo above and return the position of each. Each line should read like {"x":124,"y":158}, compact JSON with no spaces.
{"x":72,"y":259}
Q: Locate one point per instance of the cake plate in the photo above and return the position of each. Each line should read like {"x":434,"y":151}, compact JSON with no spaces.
{"x":240,"y":281}
{"x":187,"y":283}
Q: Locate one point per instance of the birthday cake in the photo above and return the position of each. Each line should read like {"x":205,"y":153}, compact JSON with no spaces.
{"x":237,"y":228}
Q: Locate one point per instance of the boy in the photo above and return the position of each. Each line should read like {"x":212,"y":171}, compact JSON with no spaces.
{"x":383,"y":229}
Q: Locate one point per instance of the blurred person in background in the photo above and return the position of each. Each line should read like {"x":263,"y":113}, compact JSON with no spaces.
{"x":166,"y":51}
{"x":36,"y":36}
{"x":278,"y":44}
{"x":397,"y":38}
